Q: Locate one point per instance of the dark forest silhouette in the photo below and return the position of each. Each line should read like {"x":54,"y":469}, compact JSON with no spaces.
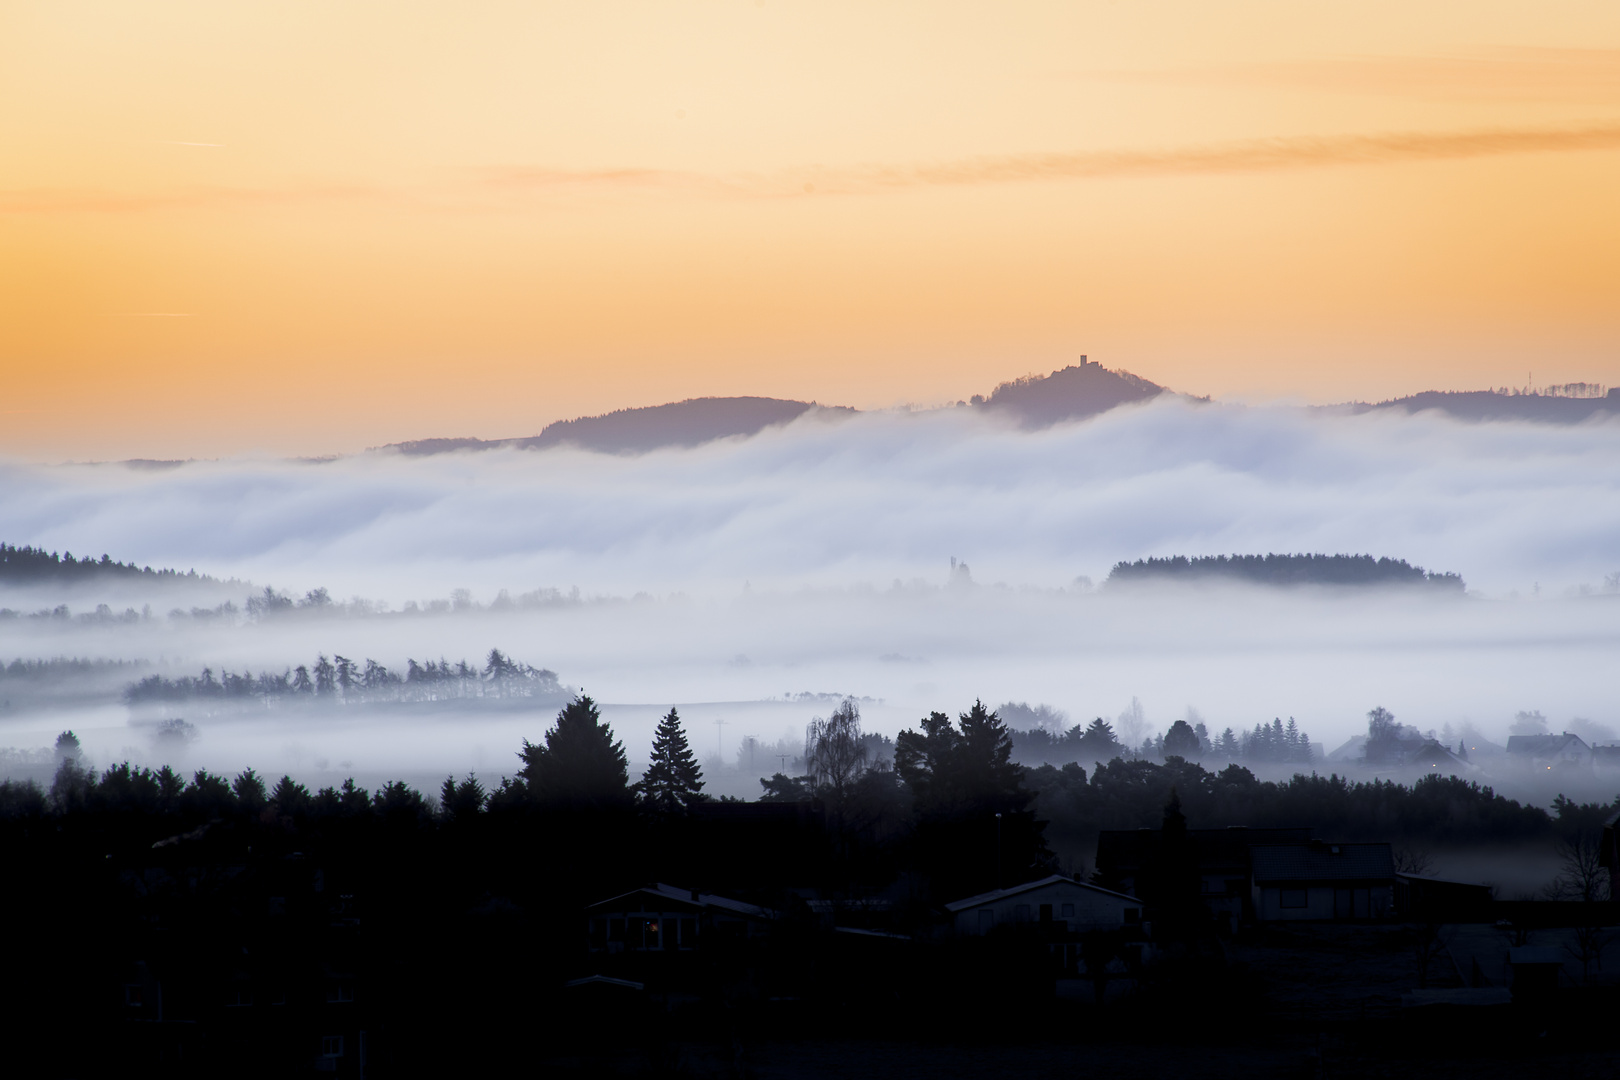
{"x":280,"y":918}
{"x":1264,"y":744}
{"x":945,"y":773}
{"x":1359,"y":570}
{"x":35,"y":566}
{"x":340,"y":679}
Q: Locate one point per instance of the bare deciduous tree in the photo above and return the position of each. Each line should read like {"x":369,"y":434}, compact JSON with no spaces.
{"x":1414,"y":861}
{"x":1582,"y":875}
{"x":1586,"y":946}
{"x":835,"y":754}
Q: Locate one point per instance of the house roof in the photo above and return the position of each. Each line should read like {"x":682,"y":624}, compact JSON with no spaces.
{"x":1541,"y":745}
{"x":1001,"y":894}
{"x":1320,"y":861}
{"x":1129,"y":849}
{"x":666,"y":896}
{"x":604,"y":980}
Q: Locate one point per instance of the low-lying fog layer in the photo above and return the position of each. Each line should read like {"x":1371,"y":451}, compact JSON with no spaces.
{"x":816,"y":557}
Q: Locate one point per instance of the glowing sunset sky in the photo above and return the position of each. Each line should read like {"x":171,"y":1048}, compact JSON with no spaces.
{"x":308,"y":228}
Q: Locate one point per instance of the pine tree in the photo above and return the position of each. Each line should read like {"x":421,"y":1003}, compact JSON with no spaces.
{"x":580,"y":765}
{"x":324,"y":673}
{"x":673,"y":782}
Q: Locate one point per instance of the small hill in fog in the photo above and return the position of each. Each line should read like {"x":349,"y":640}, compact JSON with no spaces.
{"x":1069,"y":394}
{"x":627,"y":431}
{"x":1559,"y":405}
{"x":1355,"y":570}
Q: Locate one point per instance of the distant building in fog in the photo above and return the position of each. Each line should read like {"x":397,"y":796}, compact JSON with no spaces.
{"x":1564,"y":751}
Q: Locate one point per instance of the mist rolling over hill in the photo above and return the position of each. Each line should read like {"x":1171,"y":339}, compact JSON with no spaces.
{"x":1572,"y":404}
{"x":1071,"y":393}
{"x":680,"y":424}
{"x":815,"y":556}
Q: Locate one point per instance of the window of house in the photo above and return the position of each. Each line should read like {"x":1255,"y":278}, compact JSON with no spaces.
{"x":132,"y":995}
{"x":331,"y":1046}
{"x":688,"y":933}
{"x":238,"y":996}
{"x":1133,"y":915}
{"x":339,"y":990}
{"x":1068,"y":911}
{"x":1046,"y":913}
{"x":1293,"y":898}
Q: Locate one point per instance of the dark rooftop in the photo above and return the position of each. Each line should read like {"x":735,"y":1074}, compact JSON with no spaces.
{"x":1318,"y":861}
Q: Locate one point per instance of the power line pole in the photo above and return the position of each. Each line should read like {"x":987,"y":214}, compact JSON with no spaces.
{"x":719,"y":738}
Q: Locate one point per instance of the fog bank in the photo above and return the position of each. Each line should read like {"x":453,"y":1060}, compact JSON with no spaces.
{"x":816,"y":557}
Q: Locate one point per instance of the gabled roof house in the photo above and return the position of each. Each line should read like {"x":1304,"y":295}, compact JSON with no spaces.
{"x":1055,"y":903}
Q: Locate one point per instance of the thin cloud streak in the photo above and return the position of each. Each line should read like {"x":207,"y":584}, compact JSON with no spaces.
{"x":1259,"y":155}
{"x":1254,"y":155}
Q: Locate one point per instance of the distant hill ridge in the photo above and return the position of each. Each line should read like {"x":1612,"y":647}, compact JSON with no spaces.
{"x":1559,"y":405}
{"x":683,"y":423}
{"x":1070,"y":393}
{"x":1034,"y":401}
{"x":1355,"y":570}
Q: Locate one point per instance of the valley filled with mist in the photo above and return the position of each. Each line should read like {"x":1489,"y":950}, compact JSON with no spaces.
{"x":911,"y":560}
{"x":855,"y":673}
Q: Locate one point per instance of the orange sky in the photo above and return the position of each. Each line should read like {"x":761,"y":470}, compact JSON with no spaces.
{"x":312,"y":227}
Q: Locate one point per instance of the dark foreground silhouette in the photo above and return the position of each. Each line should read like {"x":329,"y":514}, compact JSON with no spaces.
{"x":573,"y":921}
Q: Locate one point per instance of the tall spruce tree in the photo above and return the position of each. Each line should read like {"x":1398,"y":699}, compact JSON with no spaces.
{"x":673,"y":782}
{"x":580,"y":764}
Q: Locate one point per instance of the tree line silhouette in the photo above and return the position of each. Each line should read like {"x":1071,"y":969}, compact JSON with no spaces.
{"x":340,"y":679}
{"x":30,"y":565}
{"x":1362,"y":570}
{"x":952,"y":782}
{"x":1273,"y":743}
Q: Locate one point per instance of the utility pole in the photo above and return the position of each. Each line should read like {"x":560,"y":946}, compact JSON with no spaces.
{"x":719,"y":738}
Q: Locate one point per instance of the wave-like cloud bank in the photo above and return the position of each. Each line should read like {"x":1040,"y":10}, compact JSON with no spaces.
{"x":770,"y":564}
{"x":830,"y":502}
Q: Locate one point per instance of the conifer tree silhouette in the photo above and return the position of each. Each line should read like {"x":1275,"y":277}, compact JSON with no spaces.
{"x":580,"y":764}
{"x":673,"y":782}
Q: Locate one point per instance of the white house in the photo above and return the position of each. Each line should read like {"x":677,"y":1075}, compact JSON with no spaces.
{"x":1546,"y":752}
{"x":1057,"y":902}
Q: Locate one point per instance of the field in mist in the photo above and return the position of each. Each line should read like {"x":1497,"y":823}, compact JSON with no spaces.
{"x":816,"y":559}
